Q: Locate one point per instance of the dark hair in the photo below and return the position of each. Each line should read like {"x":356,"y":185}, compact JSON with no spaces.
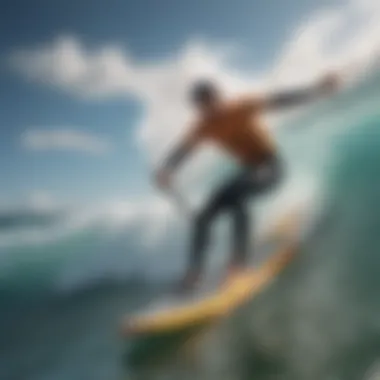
{"x":203,"y":91}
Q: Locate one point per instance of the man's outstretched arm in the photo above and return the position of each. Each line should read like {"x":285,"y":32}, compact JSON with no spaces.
{"x":286,"y":99}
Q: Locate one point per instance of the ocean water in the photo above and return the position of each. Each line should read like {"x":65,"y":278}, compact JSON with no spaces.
{"x":66,"y":282}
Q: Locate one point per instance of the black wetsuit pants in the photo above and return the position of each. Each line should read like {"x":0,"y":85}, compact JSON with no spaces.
{"x":232,"y":198}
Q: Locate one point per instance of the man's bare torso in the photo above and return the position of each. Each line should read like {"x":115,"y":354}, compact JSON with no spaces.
{"x":239,"y":130}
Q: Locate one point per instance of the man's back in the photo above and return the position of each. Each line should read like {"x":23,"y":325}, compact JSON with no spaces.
{"x":238,"y":129}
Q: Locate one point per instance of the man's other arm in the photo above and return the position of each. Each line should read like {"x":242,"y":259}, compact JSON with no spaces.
{"x":178,"y":155}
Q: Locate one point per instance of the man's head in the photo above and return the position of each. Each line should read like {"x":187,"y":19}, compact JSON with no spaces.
{"x":204,"y":95}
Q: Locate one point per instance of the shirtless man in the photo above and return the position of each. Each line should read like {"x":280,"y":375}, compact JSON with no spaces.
{"x":237,"y":128}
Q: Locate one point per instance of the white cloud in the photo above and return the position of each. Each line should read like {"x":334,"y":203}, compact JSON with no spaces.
{"x":68,"y":65}
{"x":64,"y":139}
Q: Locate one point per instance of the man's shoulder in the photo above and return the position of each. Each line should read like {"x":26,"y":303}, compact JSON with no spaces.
{"x":242,"y":103}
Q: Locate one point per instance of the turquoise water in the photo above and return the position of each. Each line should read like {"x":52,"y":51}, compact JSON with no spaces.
{"x":62,"y":298}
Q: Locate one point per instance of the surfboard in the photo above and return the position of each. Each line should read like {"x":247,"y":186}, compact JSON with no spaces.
{"x":208,"y":308}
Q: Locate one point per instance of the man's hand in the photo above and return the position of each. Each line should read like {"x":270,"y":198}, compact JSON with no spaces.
{"x":329,"y":83}
{"x":163,"y":179}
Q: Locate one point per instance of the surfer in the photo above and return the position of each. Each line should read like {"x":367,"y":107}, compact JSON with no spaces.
{"x":238,"y":128}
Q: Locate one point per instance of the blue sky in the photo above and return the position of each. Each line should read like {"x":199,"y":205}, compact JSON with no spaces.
{"x":147,"y":32}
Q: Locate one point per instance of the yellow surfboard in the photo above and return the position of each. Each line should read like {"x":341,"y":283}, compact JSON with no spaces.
{"x":225,"y":299}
